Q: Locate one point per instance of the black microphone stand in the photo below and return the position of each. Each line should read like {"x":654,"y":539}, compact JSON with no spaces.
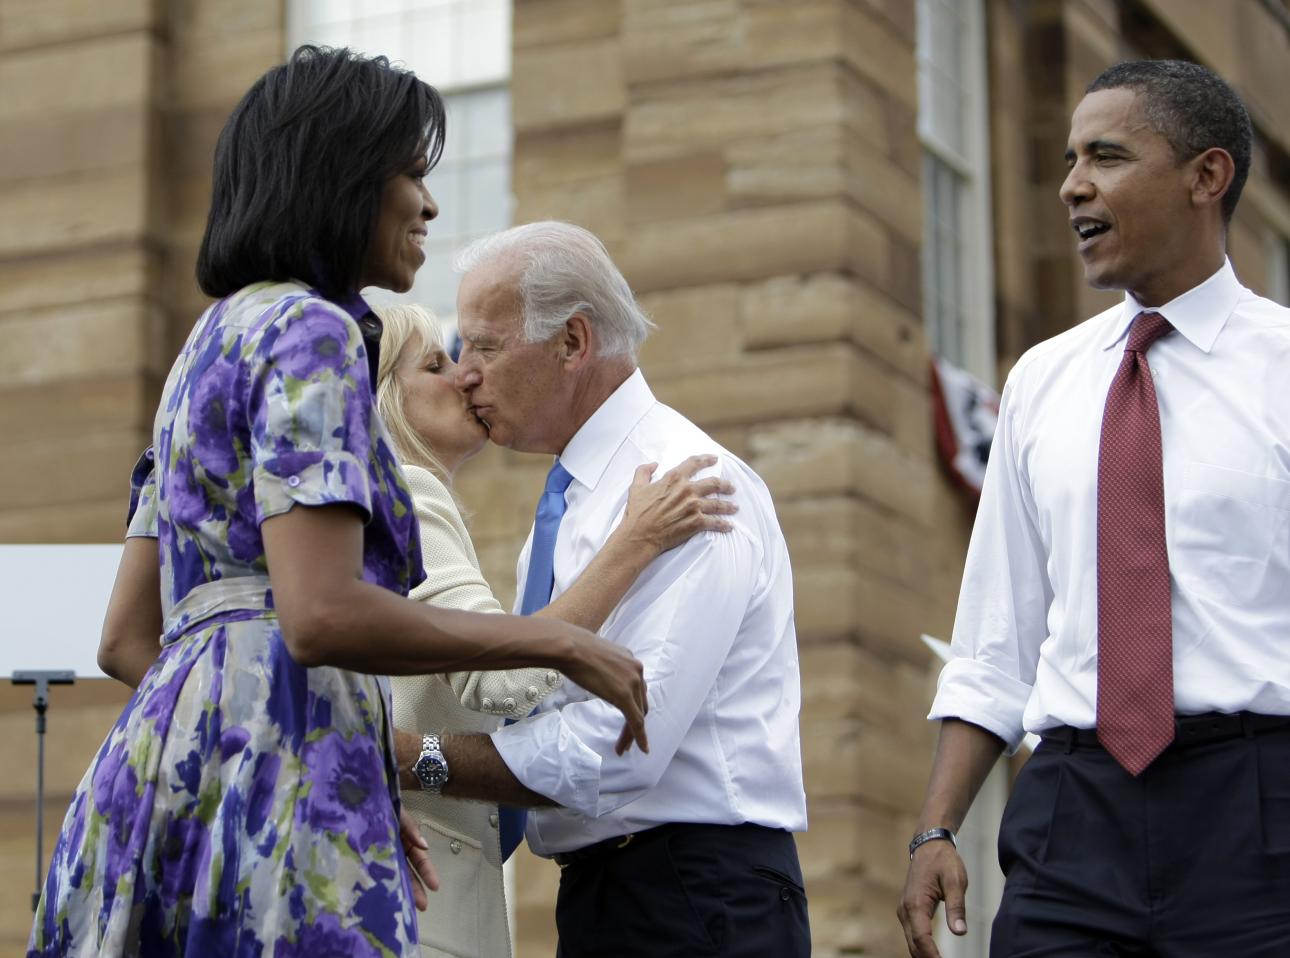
{"x":40,"y":702}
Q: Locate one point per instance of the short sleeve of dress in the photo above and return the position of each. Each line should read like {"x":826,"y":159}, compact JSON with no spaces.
{"x":141,"y":520}
{"x":310,"y":411}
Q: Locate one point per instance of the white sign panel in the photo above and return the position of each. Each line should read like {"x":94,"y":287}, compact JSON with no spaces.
{"x":52,"y":601}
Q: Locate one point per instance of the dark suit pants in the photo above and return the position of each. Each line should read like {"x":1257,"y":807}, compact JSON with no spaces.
{"x":1189,"y":860}
{"x":686,"y":891}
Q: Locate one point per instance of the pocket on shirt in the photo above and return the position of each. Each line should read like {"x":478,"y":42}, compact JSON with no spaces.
{"x":1232,"y":534}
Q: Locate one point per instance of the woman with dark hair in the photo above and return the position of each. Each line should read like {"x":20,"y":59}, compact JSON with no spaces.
{"x":246,"y":801}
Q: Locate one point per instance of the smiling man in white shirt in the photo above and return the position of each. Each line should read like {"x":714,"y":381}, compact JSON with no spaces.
{"x":685,"y":849}
{"x":1127,"y":588}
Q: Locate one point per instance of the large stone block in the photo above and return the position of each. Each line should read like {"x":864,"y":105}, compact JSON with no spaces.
{"x":848,"y":531}
{"x":838,"y":907}
{"x":567,"y":84}
{"x":675,"y":188}
{"x":563,"y":156}
{"x":695,"y":116}
{"x":32,"y":23}
{"x":794,"y":166}
{"x":78,"y":212}
{"x":96,"y":338}
{"x":71,"y":522}
{"x":66,"y":408}
{"x":537,"y":23}
{"x":831,"y":455}
{"x":68,"y":78}
{"x":883,"y":188}
{"x":214,"y":69}
{"x":794,"y":309}
{"x":596,"y":205}
{"x":696,"y":327}
{"x":667,"y":40}
{"x":751,"y":244}
{"x":764,"y":386}
{"x":90,"y":468}
{"x":876,"y":49}
{"x":73,"y":278}
{"x":71,"y":142}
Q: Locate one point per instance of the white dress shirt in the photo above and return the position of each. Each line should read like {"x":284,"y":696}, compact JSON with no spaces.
{"x":711,"y":620}
{"x":1025,"y":637}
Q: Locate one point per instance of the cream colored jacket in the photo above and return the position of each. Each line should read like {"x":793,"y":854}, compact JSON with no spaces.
{"x":467,"y":916}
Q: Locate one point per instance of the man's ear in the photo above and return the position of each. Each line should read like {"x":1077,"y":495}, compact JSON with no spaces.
{"x":575,"y":342}
{"x":1213,"y":173}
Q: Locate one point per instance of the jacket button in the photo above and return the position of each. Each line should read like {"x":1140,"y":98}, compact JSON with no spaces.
{"x":487,"y":705}
{"x":492,"y":821}
{"x":455,"y":847}
{"x":552,"y":678}
{"x":783,"y":893}
{"x":533,"y":694}
{"x":508,"y":704}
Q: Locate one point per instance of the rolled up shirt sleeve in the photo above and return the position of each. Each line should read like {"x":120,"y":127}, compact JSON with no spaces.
{"x":1003,"y":604}
{"x":680,"y":619}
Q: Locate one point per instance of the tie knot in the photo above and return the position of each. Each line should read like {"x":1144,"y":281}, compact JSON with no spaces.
{"x":558,"y":479}
{"x":1146,"y":329}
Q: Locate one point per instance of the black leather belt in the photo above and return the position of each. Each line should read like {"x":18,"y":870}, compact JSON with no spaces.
{"x":612,"y":845}
{"x":1188,"y":729}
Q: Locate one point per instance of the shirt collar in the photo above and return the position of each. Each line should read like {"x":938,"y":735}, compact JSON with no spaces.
{"x":587,"y":454}
{"x":1199,"y":314}
{"x":369,"y":326}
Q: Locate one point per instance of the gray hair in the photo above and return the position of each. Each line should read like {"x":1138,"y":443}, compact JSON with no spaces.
{"x":565,"y":270}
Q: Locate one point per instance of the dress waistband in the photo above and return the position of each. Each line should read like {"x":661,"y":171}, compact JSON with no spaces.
{"x":248,"y":594}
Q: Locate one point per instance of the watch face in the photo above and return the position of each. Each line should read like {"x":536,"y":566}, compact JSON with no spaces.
{"x":431,"y":771}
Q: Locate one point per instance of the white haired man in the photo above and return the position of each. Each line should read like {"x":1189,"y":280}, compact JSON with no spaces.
{"x":686,"y":849}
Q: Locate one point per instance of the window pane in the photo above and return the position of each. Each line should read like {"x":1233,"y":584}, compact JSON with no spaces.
{"x":450,"y":44}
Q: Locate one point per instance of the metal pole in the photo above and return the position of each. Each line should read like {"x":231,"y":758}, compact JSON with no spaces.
{"x":40,"y":702}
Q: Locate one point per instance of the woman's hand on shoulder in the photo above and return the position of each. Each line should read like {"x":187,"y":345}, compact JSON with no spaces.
{"x":664,"y":514}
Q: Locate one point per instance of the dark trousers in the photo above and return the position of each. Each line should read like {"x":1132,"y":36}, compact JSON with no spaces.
{"x":686,"y":891}
{"x":1189,"y":860}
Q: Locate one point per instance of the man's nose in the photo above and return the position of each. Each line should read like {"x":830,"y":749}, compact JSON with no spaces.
{"x":464,"y":376}
{"x":1075,"y":188}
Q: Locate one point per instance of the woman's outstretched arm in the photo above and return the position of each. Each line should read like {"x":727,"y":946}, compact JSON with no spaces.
{"x":331,"y":616}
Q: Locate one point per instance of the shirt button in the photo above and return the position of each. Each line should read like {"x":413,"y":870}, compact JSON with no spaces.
{"x":508,"y":704}
{"x":150,"y":455}
{"x":492,"y":821}
{"x":455,"y":847}
{"x":293,"y":481}
{"x":533,"y":694}
{"x":487,"y":704}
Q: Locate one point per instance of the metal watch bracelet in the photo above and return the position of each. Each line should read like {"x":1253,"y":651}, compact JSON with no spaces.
{"x":931,"y":835}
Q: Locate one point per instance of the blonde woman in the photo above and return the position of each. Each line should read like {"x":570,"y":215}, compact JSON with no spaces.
{"x":434,"y":433}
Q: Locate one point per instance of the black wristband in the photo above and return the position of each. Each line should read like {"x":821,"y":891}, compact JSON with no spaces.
{"x":931,"y":835}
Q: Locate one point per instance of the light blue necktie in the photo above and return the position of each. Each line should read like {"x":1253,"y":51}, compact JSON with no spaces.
{"x":537,"y":593}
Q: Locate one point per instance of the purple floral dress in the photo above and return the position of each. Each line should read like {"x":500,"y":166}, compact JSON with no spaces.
{"x":243,"y":805}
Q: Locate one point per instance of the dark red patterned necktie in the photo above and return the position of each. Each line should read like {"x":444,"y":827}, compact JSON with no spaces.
{"x":1135,"y":668}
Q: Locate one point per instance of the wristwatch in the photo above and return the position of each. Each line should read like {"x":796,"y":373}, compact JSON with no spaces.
{"x":431,"y":768}
{"x":931,"y":835}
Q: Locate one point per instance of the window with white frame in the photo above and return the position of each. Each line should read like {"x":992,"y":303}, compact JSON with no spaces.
{"x":958,"y":280}
{"x":463,"y":49}
{"x":958,"y":310}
